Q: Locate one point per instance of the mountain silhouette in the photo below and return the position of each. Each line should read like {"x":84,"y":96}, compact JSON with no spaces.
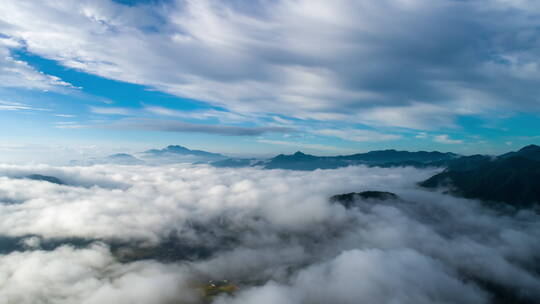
{"x":513,"y":178}
{"x":181,"y":150}
{"x":350,"y":200}
{"x":530,"y":152}
{"x":45,"y":178}
{"x":383,"y":158}
{"x":123,"y":159}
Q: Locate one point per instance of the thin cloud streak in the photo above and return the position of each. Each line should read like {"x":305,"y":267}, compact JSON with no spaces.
{"x":300,"y":145}
{"x":445,"y":139}
{"x":111,"y":111}
{"x":17,"y":106}
{"x":180,"y":126}
{"x":359,"y":135}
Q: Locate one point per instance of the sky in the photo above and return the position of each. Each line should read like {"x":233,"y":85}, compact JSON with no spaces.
{"x":262,"y":77}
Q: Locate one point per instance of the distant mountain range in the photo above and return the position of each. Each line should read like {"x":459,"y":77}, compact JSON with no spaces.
{"x":124,"y":159}
{"x":512,"y":178}
{"x":297,"y":161}
{"x":236,"y":163}
{"x":383,"y":158}
{"x":168,"y":155}
{"x":180,"y":154}
{"x":180,"y":150}
{"x":508,"y":180}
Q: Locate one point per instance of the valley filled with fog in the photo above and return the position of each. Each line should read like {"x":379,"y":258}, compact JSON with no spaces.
{"x":159,"y":234}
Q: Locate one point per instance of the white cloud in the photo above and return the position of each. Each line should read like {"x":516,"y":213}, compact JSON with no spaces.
{"x":421,"y":135}
{"x":19,"y":74}
{"x":69,"y":125}
{"x":111,"y":111}
{"x":336,"y":60}
{"x":222,"y":116}
{"x":91,"y":275}
{"x":372,"y":275}
{"x":181,"y":126}
{"x":445,"y":139}
{"x":299,"y":145}
{"x":421,"y":116}
{"x":17,"y":106}
{"x":272,"y":232}
{"x":358,"y":135}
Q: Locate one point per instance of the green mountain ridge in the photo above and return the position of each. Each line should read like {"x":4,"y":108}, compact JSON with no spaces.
{"x":512,"y":178}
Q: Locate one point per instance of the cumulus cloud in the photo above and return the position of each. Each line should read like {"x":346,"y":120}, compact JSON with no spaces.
{"x":371,"y":275}
{"x":90,"y":275}
{"x":324,"y":60}
{"x":157,"y":234}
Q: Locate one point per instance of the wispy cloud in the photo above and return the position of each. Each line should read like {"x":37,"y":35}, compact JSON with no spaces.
{"x":180,"y":126}
{"x":16,"y":73}
{"x":421,"y":135}
{"x":111,"y":111}
{"x":223,"y":116}
{"x":17,"y":106}
{"x":299,"y":145}
{"x":445,"y":139}
{"x":69,"y":125}
{"x":422,"y":116}
{"x":358,"y":135}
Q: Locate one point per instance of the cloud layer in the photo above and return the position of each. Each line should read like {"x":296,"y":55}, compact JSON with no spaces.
{"x":413,"y":64}
{"x":179,"y":126}
{"x":141,"y":234}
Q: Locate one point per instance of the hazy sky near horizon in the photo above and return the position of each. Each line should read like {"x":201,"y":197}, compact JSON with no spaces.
{"x":267,"y":76}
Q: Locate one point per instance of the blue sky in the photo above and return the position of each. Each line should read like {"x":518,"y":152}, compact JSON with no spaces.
{"x":266,"y":77}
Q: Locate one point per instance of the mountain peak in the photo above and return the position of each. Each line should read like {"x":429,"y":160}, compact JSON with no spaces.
{"x":299,"y":153}
{"x":121,"y":155}
{"x":530,"y":148}
{"x":176,"y":148}
{"x":530,"y":151}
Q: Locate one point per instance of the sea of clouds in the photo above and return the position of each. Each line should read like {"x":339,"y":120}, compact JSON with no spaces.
{"x":157,"y":234}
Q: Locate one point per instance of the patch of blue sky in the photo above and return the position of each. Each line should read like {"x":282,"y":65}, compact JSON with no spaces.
{"x":107,"y":90}
{"x":106,"y":94}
